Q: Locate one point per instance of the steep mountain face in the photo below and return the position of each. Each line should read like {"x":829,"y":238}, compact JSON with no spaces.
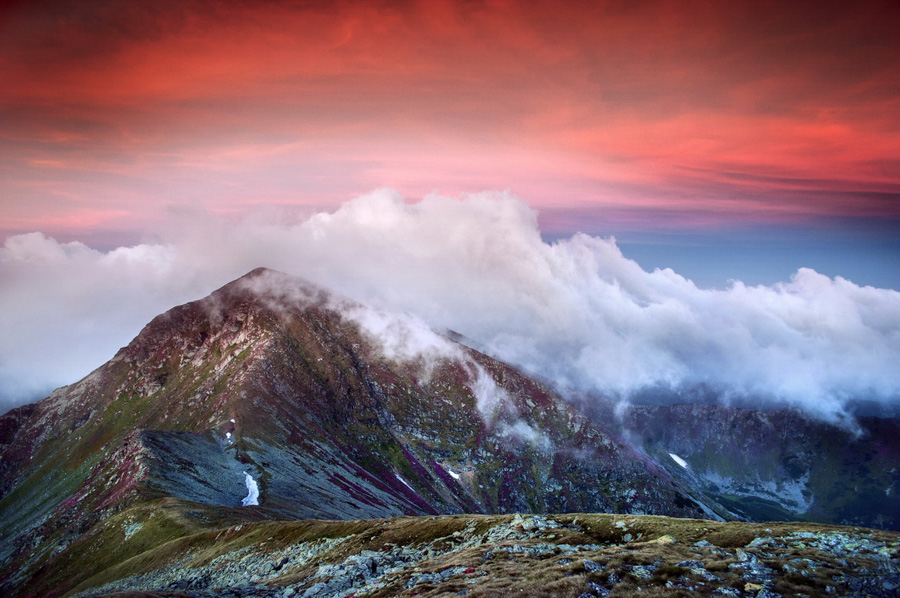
{"x":777,"y":465}
{"x":272,"y":385}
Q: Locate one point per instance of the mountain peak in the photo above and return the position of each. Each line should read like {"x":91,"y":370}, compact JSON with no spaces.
{"x":266,"y":281}
{"x":263,"y":277}
{"x":272,"y":289}
{"x":262,"y":271}
{"x":275,"y":379}
{"x":275,"y":386}
{"x":260,"y":291}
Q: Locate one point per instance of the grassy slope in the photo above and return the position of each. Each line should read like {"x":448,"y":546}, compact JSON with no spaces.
{"x":155,"y":534}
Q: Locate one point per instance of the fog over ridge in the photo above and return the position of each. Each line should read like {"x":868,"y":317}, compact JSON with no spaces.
{"x":576,"y":311}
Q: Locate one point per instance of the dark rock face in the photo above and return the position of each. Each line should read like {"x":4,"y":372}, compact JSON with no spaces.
{"x":778,"y":465}
{"x":276,"y":378}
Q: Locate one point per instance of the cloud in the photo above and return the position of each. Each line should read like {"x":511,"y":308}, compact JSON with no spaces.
{"x":576,"y":311}
{"x":399,"y":336}
{"x":522,"y":432}
{"x":66,"y":308}
{"x":717,"y":113}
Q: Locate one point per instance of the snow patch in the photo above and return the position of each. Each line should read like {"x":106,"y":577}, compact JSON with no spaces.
{"x":252,"y":491}
{"x":453,"y":474}
{"x":397,"y":475}
{"x":232,"y":421}
{"x":678,"y":460}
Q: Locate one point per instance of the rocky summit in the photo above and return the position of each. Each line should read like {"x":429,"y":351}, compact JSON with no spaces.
{"x":274,"y":439}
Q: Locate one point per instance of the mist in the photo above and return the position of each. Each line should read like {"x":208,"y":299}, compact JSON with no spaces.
{"x":576,"y":311}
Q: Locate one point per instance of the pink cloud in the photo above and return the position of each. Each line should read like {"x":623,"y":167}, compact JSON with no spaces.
{"x":745,"y":112}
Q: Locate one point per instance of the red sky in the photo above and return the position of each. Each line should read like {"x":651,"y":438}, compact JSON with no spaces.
{"x":649,"y":115}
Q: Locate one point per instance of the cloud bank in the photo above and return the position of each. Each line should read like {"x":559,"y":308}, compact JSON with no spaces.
{"x":576,"y":311}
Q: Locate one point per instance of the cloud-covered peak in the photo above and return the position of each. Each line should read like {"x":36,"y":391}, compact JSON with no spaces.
{"x":577,"y":310}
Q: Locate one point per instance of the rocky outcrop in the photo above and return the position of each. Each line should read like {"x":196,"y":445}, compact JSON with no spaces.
{"x":575,"y":555}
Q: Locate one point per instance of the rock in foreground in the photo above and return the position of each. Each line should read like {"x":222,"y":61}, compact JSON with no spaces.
{"x":176,"y":548}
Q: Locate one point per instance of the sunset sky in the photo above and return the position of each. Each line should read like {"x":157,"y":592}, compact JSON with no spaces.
{"x":735,"y":167}
{"x":725,"y":139}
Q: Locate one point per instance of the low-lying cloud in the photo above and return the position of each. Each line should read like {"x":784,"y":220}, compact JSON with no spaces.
{"x":399,"y":336}
{"x":576,"y":311}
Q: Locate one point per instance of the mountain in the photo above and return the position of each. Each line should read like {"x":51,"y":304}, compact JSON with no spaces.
{"x":276,"y":393}
{"x":776,"y":465}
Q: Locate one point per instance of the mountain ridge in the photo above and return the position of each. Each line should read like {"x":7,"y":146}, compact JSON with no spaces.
{"x":778,"y":464}
{"x":276,"y":377}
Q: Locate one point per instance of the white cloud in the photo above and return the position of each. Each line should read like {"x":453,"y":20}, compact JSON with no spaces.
{"x":401,"y":336}
{"x":66,"y":308}
{"x":576,"y":311}
{"x":489,"y":397}
{"x":523,"y":432}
